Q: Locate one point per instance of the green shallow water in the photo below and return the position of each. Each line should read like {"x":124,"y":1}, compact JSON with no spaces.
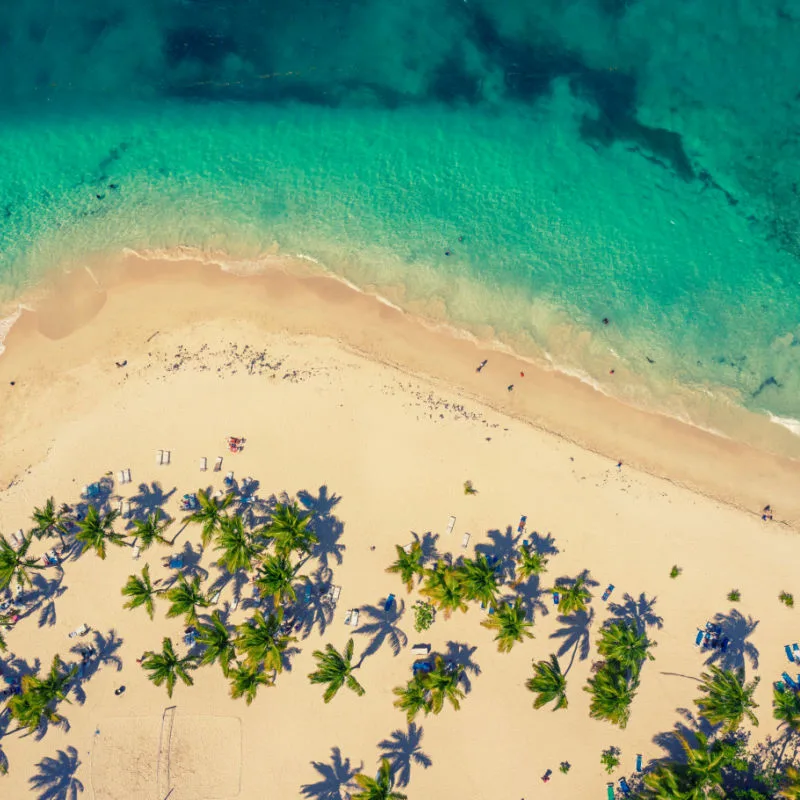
{"x":570,"y":174}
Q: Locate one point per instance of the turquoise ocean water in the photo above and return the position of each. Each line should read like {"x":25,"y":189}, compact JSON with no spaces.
{"x":530,"y":167}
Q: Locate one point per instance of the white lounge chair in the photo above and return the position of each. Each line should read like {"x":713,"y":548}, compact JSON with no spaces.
{"x":159,"y":456}
{"x":420,"y":649}
{"x":335,"y":592}
{"x":235,"y":604}
{"x":354,"y":618}
{"x":120,"y":506}
{"x":166,"y":457}
{"x":127,"y":476}
{"x":451,"y":523}
{"x":218,"y":464}
{"x":215,"y":598}
{"x":229,"y":476}
{"x":465,"y":541}
{"x":79,"y":631}
{"x":348,"y":616}
{"x":121,"y":476}
{"x":203,"y":464}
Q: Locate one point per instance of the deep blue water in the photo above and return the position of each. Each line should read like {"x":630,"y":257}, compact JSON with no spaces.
{"x":533,"y":167}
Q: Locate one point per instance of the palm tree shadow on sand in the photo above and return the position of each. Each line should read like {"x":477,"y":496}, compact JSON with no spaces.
{"x":316,"y":611}
{"x":402,"y":749}
{"x":336,"y":778}
{"x":639,"y":610}
{"x":575,"y":633}
{"x":327,"y":527}
{"x":382,"y":627}
{"x":737,"y":628}
{"x":55,"y":779}
{"x":148,"y":499}
{"x":462,"y":654}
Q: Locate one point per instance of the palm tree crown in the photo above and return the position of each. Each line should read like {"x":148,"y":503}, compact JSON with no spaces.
{"x":140,"y":592}
{"x":336,"y":670}
{"x":510,"y":623}
{"x":620,"y":641}
{"x":549,"y":683}
{"x":275,"y":577}
{"x":444,"y":588}
{"x":50,"y":521}
{"x":575,"y":596}
{"x":727,"y":699}
{"x":529,"y":562}
{"x":443,"y":684}
{"x":611,"y":696}
{"x":262,"y":642}
{"x":209,"y":514}
{"x":478,"y":580}
{"x":151,"y":529}
{"x":289,"y":530}
{"x":245,"y":680}
{"x":217,"y":642}
{"x":166,"y":668}
{"x":15,"y":565}
{"x":238,"y":549}
{"x":186,"y":598}
{"x":412,"y":698}
{"x":408,"y":564}
{"x":95,"y":530}
{"x":786,"y":708}
{"x":379,"y":788}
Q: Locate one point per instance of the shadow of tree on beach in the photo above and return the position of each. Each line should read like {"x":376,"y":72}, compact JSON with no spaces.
{"x":737,"y":628}
{"x":42,"y":597}
{"x":336,"y":778}
{"x":55,"y":777}
{"x":148,"y":499}
{"x":192,"y":555}
{"x":501,"y":548}
{"x":327,"y":527}
{"x":688,"y":727}
{"x":402,"y":749}
{"x":315,"y":610}
{"x":382,"y":626}
{"x":575,"y":633}
{"x":428,"y":544}
{"x":638,"y":610}
{"x":462,"y":654}
{"x":532,"y":594}
{"x":103,"y":651}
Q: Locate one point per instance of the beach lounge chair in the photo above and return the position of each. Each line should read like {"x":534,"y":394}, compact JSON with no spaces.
{"x":159,"y":457}
{"x":176,"y":562}
{"x":119,"y":507}
{"x":389,"y":602}
{"x":521,"y":526}
{"x":556,"y":598}
{"x":787,"y":679}
{"x":624,"y":788}
{"x":607,"y":592}
{"x":215,"y":597}
{"x":451,"y":523}
{"x":167,"y":455}
{"x":218,"y":464}
{"x":348,"y":616}
{"x":235,"y":604}
{"x":354,"y":618}
{"x":420,"y":649}
{"x":699,"y":637}
{"x":335,"y":592}
{"x":638,"y":762}
{"x":136,"y":552}
{"x":610,"y":791}
{"x":127,"y":476}
{"x":789,"y":654}
{"x":127,"y":509}
{"x":17,"y":539}
{"x":465,"y":541}
{"x":307,"y":593}
{"x":228,"y":481}
{"x":779,"y":686}
{"x":51,"y":558}
{"x":121,"y":477}
{"x":81,"y":630}
{"x":203,"y":464}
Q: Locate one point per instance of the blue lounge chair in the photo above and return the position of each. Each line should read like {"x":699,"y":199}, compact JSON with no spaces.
{"x":389,"y":602}
{"x":610,"y":791}
{"x":307,"y":593}
{"x":787,"y":679}
{"x":607,"y":592}
{"x":638,"y":762}
{"x":556,"y":598}
{"x":789,"y":654}
{"x":779,"y":687}
{"x":521,"y":526}
{"x":524,"y":542}
{"x":624,"y":788}
{"x":421,"y":666}
{"x":176,"y":562}
{"x":699,"y":637}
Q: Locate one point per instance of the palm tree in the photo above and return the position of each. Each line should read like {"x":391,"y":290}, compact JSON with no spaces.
{"x":698,"y":778}
{"x":336,"y":670}
{"x":151,"y":529}
{"x":50,"y":521}
{"x":140,"y":592}
{"x":217,"y":642}
{"x":412,"y":698}
{"x":288,"y":528}
{"x":612,"y":696}
{"x":209,"y":515}
{"x":38,"y":696}
{"x":245,"y":680}
{"x":276,"y":576}
{"x":574,"y":597}
{"x":15,"y":564}
{"x":379,"y":788}
{"x":549,"y":683}
{"x":442,"y":683}
{"x":94,"y":531}
{"x":790,"y":785}
{"x":261,"y":641}
{"x":443,"y":586}
{"x":166,"y":667}
{"x":727,"y":698}
{"x":529,"y":562}
{"x":478,"y":580}
{"x":408,"y":564}
{"x":786,"y":708}
{"x":238,"y":549}
{"x":510,"y":623}
{"x":186,"y":598}
{"x":620,"y":641}
{"x":663,"y":784}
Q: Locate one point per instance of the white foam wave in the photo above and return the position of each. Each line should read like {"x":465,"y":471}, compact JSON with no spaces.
{"x":791,"y":425}
{"x":7,"y":323}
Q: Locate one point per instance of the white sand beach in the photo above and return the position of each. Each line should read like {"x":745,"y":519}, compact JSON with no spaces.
{"x":374,"y":422}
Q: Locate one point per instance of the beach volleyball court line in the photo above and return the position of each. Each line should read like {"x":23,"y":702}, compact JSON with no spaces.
{"x":164,"y":748}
